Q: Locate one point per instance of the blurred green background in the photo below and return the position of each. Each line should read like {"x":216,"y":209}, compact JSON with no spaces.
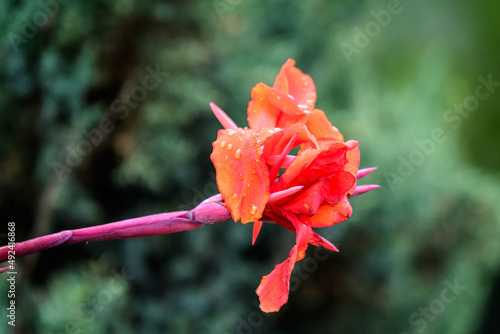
{"x":415,"y":82}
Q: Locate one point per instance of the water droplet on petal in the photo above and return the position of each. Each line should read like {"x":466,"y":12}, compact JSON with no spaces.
{"x":241,"y":176}
{"x":234,"y":196}
{"x":231,"y":132}
{"x":222,"y":144}
{"x":237,"y":154}
{"x":253,"y":210}
{"x":230,"y":147}
{"x":225,"y":158}
{"x":260,"y":150}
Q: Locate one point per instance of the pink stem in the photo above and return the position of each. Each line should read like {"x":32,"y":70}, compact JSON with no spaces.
{"x":34,"y":245}
{"x":208,"y":212}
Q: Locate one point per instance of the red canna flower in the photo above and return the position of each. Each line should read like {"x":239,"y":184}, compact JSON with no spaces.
{"x":313,"y":189}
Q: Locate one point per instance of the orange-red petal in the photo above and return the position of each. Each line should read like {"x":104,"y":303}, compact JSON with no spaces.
{"x":270,"y":108}
{"x":338,"y":186}
{"x":329,"y":215}
{"x":261,"y":113}
{"x":321,"y":128}
{"x":314,"y":239}
{"x":311,"y":165}
{"x":352,"y":156}
{"x":298,"y":85}
{"x":331,"y":190}
{"x":352,"y":165}
{"x":277,"y":143}
{"x":242,"y":174}
{"x":274,"y":288}
{"x":308,"y":201}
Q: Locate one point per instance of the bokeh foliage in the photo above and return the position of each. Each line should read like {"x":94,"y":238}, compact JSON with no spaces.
{"x":438,"y":222}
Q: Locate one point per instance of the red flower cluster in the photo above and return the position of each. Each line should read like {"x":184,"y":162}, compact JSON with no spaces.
{"x":314,"y":188}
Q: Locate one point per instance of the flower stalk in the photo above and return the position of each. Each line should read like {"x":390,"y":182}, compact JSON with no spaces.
{"x":210,"y":211}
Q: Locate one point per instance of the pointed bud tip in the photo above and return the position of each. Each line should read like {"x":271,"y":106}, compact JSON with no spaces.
{"x":333,"y":248}
{"x":359,"y":190}
{"x":224,"y":119}
{"x":364,"y":172}
{"x":256,"y":229}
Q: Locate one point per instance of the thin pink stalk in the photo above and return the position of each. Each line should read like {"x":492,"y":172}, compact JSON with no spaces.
{"x":209,"y":211}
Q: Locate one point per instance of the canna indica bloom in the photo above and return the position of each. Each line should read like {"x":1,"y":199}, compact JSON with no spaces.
{"x":314,"y":188}
{"x":311,"y":192}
